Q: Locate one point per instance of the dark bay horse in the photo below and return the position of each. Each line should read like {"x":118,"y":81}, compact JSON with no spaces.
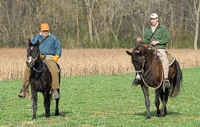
{"x":148,"y":65}
{"x":40,"y":79}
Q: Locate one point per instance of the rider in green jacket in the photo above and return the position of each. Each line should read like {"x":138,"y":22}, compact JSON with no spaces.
{"x":157,"y":36}
{"x":161,"y":35}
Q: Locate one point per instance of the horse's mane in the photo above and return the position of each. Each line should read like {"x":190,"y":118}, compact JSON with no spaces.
{"x":36,"y":44}
{"x":142,"y":50}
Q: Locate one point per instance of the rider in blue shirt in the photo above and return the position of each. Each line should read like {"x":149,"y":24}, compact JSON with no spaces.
{"x":50,"y":51}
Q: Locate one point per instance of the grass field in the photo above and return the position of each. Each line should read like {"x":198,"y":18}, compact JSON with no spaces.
{"x":104,"y":101}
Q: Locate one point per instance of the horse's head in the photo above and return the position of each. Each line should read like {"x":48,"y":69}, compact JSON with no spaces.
{"x":138,"y":57}
{"x":138,"y":60}
{"x":33,"y":54}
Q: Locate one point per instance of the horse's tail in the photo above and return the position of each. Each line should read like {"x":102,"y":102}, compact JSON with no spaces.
{"x":177,"y":82}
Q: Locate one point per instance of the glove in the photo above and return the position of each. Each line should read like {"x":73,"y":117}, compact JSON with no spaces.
{"x":55,"y":58}
{"x":42,"y":56}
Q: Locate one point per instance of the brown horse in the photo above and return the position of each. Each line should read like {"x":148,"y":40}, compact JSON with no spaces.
{"x":149,"y":69}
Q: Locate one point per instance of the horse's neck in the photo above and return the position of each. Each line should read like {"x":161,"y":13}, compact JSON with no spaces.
{"x":149,"y":59}
{"x":39,"y":64}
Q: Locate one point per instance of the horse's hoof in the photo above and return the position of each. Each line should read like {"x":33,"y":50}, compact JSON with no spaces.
{"x":47,"y":116}
{"x":158,"y":113}
{"x":33,"y":118}
{"x":148,"y":117}
{"x":57,"y":114}
{"x":161,"y":115}
{"x":165,"y":113}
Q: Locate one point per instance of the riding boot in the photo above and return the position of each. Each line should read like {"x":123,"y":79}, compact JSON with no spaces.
{"x":55,"y":94}
{"x":166,"y":83}
{"x":24,"y":92}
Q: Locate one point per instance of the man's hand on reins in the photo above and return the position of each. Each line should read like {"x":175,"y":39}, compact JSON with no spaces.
{"x":139,"y":39}
{"x":154,"y":42}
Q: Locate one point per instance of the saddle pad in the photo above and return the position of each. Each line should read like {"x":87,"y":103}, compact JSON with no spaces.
{"x":59,"y":69}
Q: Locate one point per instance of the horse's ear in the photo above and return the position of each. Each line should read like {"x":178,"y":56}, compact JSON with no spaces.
{"x":38,"y":43}
{"x":129,"y":53}
{"x":29,"y":42}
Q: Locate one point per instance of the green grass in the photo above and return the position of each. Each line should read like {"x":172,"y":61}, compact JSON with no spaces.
{"x":102,"y":100}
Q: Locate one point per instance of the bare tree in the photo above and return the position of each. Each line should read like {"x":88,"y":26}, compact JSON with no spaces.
{"x":195,"y":16}
{"x":90,"y":7}
{"x":97,"y":23}
{"x":77,"y":24}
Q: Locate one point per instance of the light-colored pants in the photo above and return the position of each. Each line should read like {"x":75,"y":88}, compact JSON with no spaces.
{"x":165,"y":63}
{"x":54,"y":72}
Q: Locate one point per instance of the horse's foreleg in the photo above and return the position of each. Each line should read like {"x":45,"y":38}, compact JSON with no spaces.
{"x":34,"y":103}
{"x":47,"y":98}
{"x":157,"y":101}
{"x":147,"y":101}
{"x":57,"y":104}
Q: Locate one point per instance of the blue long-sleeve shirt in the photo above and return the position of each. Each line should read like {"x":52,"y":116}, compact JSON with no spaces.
{"x":50,"y":46}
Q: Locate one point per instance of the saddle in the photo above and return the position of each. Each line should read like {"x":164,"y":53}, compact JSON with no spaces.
{"x":58,"y":66}
{"x":170,"y":58}
{"x":59,"y":69}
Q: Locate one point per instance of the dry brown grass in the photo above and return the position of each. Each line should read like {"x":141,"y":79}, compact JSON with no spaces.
{"x":81,"y":62}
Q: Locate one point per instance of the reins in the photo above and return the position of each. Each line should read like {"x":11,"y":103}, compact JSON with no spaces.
{"x":153,"y":87}
{"x":41,"y":69}
{"x":151,"y":64}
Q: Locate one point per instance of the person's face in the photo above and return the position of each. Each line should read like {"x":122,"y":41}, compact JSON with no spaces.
{"x":45,"y":33}
{"x":154,"y":21}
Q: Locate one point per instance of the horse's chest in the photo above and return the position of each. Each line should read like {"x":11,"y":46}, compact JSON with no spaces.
{"x":152,"y":79}
{"x":39,"y":85}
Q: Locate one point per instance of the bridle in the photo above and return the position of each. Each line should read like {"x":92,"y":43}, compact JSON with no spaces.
{"x":143,"y":62}
{"x":33,"y":60}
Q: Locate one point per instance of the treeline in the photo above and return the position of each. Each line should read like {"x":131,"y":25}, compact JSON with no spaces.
{"x":98,"y":23}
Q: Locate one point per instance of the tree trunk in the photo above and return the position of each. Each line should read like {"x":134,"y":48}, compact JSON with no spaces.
{"x":196,"y":26}
{"x":89,"y":17}
{"x":77,"y":25}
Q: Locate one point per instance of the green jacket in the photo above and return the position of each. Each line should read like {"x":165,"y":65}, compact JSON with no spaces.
{"x":161,"y":35}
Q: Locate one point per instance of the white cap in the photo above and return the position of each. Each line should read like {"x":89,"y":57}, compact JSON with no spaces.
{"x":153,"y":16}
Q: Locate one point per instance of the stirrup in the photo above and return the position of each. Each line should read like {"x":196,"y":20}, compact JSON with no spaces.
{"x":166,"y":83}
